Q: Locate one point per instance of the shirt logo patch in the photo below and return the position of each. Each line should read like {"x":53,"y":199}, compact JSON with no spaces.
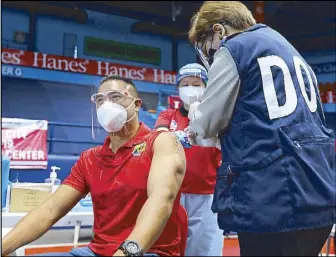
{"x":173,"y":125}
{"x":139,"y":149}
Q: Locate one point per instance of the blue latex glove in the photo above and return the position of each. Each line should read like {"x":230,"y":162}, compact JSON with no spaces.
{"x":182,"y":136}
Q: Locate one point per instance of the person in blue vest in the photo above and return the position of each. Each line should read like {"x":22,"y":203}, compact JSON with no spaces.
{"x":276,"y":186}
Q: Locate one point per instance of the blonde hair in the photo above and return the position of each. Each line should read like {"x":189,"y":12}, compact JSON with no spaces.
{"x":234,"y":13}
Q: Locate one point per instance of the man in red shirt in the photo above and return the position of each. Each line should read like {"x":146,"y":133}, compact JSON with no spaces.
{"x":134,"y":180}
{"x":204,"y":236}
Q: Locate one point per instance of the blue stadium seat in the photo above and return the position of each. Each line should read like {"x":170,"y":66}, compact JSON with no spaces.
{"x":148,"y":118}
{"x":159,"y":109}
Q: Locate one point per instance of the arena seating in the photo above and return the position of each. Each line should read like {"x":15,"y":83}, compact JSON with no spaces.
{"x":148,"y":118}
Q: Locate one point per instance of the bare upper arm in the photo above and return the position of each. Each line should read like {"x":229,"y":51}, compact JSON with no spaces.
{"x":62,"y":201}
{"x":167,"y":168}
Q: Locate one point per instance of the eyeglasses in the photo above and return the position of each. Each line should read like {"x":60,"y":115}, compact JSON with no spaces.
{"x":201,"y":41}
{"x":114,"y":96}
{"x":200,"y":48}
{"x":200,"y":45}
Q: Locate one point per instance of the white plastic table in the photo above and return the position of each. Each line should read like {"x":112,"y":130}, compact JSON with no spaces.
{"x":72,"y":219}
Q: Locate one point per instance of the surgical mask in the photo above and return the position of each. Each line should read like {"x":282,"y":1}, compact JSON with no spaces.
{"x":190,"y":94}
{"x":112,"y":117}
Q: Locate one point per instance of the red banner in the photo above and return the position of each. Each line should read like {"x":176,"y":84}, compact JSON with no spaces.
{"x":328,"y":93}
{"x":91,"y":67}
{"x":25,"y":143}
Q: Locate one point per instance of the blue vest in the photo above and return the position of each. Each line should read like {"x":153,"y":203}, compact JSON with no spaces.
{"x":278,"y":167}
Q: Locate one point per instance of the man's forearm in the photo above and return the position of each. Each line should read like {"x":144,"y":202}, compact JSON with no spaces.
{"x":151,"y":221}
{"x":30,"y":228}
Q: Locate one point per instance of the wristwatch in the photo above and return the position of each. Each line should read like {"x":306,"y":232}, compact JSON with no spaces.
{"x":131,"y":248}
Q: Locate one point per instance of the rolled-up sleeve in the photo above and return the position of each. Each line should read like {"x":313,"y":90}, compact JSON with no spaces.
{"x":214,"y":113}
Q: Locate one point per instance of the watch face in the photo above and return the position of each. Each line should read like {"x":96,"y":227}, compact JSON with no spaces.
{"x":132,"y":248}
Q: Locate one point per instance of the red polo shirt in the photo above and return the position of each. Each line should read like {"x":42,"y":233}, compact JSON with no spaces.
{"x":202,"y":162}
{"x":118,"y":186}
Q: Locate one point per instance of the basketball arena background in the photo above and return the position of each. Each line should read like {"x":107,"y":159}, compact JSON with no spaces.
{"x":54,"y":52}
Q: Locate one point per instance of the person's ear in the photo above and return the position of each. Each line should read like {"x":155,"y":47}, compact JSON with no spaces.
{"x":219,"y":28}
{"x":138,"y":104}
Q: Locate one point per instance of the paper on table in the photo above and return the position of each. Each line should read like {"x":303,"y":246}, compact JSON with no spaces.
{"x":27,"y":196}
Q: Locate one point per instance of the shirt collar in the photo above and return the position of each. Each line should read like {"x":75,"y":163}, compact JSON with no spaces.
{"x":137,"y":139}
{"x":252,"y":28}
{"x":256,"y":26}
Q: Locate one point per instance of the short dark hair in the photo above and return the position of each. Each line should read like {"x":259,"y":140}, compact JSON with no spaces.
{"x":118,"y":78}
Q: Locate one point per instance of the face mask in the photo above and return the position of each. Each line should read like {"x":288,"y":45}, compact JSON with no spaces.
{"x":112,"y":117}
{"x":190,"y":94}
{"x":212,"y":52}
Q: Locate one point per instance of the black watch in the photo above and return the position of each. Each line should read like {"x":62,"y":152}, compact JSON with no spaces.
{"x":131,"y":248}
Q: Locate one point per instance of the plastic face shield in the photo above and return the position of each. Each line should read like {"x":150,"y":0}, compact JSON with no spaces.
{"x":200,"y":47}
{"x":97,"y":132}
{"x":196,"y":72}
{"x":113,"y":96}
{"x":201,"y":55}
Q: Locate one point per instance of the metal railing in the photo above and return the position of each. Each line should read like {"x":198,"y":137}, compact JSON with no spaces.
{"x":52,"y":139}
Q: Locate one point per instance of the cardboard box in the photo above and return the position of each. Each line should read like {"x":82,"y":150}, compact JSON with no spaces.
{"x":27,"y":196}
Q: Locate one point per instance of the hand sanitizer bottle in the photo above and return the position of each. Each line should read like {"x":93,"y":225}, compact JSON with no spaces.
{"x":53,"y":178}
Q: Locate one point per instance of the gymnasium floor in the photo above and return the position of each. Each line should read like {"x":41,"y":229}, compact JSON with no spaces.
{"x":231,"y":248}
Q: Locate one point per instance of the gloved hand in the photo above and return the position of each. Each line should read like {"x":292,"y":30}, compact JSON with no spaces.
{"x":191,"y":135}
{"x":182,"y":136}
{"x":196,"y":140}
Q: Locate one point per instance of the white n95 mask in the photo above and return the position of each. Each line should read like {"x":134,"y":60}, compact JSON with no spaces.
{"x":111,"y":116}
{"x":191,"y":94}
